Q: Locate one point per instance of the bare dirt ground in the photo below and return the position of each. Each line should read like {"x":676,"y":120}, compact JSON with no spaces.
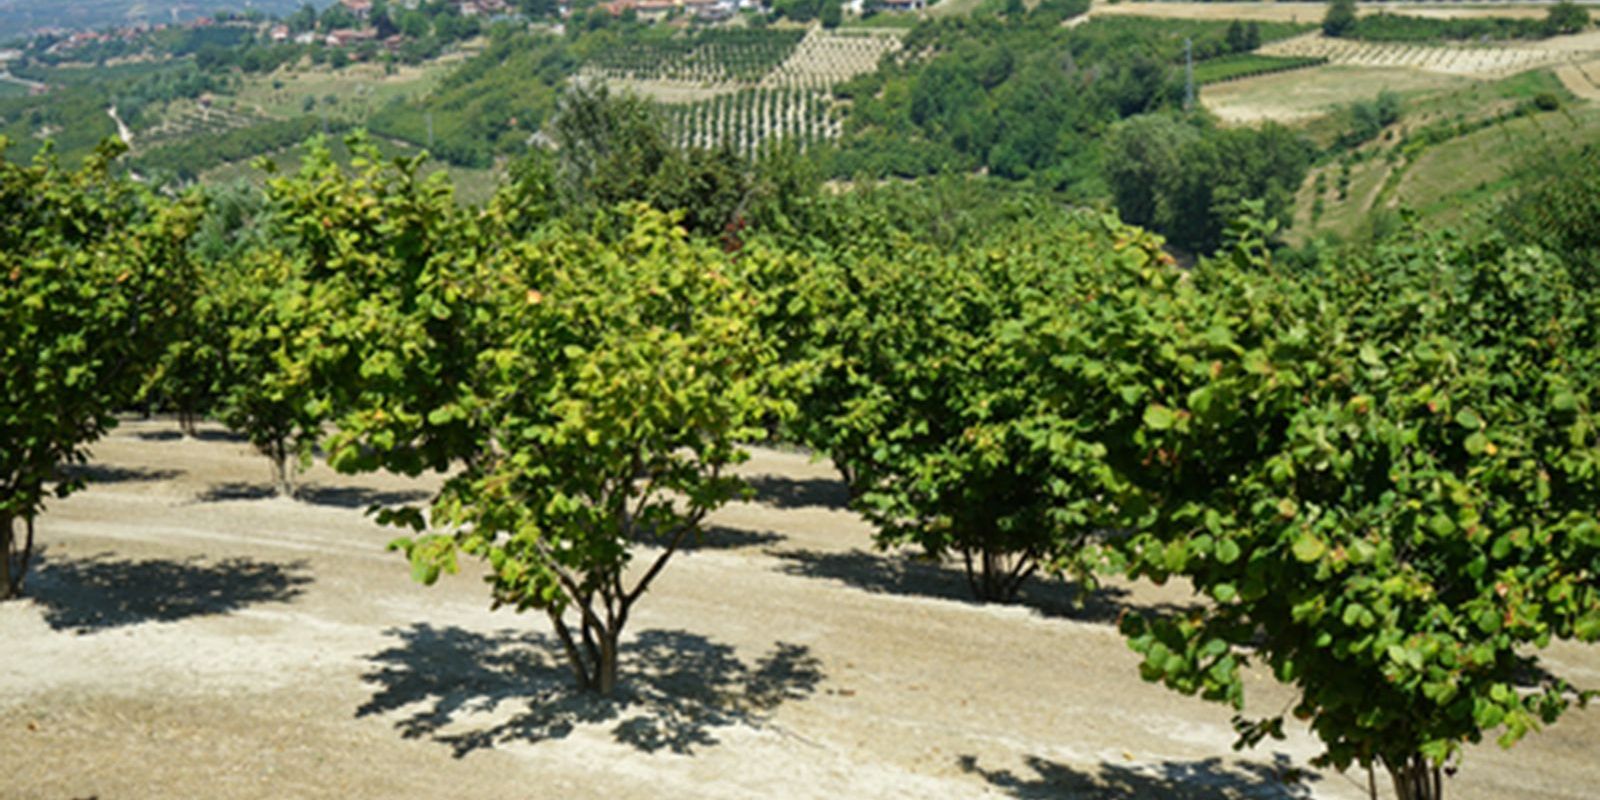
{"x":188,"y":637}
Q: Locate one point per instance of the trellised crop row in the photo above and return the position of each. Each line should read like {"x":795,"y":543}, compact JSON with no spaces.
{"x":747,"y":121}
{"x":708,"y":56}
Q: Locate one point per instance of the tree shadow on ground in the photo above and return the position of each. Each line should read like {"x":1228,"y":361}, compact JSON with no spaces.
{"x":718,"y":537}
{"x":1207,"y":779}
{"x":314,"y":494}
{"x":103,"y":591}
{"x":781,"y":492}
{"x":904,"y":575}
{"x":675,"y":689}
{"x":108,"y":473}
{"x":204,"y":435}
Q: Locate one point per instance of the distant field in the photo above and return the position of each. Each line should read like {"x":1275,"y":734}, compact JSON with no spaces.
{"x":1484,"y":61}
{"x":1304,"y":94}
{"x":750,"y":95}
{"x":1302,"y":12}
{"x":1464,"y":174}
{"x":1582,"y":79}
{"x":1452,"y":178}
{"x":356,"y":91}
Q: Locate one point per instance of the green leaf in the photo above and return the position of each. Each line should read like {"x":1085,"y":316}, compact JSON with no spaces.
{"x":1309,"y":547}
{"x":1467,"y":418}
{"x":1476,"y":443}
{"x":1227,"y":551}
{"x":1159,"y":417}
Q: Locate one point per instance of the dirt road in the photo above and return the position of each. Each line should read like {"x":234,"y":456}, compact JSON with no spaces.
{"x":187,"y":637}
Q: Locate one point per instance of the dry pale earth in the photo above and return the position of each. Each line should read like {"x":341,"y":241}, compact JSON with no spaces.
{"x":187,"y":637}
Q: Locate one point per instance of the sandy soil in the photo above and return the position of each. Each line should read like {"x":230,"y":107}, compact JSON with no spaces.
{"x":188,"y":637}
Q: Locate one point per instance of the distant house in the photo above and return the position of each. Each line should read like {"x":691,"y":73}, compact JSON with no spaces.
{"x":903,"y":5}
{"x":359,"y":8}
{"x":308,"y":37}
{"x":710,"y":10}
{"x":280,"y":33}
{"x":349,"y":36}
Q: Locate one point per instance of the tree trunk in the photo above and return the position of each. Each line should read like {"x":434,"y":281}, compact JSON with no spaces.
{"x":14,"y":557}
{"x":593,"y":658}
{"x":1416,"y":779}
{"x":606,"y":679}
{"x":994,"y":576}
{"x":282,"y":476}
{"x":187,"y":423}
{"x":7,"y":589}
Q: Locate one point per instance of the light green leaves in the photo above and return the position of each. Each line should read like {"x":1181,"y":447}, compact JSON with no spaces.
{"x":1408,"y":481}
{"x":1159,"y":417}
{"x":1309,"y":547}
{"x":94,"y":275}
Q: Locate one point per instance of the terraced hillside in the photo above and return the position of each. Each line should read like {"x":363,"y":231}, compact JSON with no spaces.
{"x":1479,"y":61}
{"x":749,"y":91}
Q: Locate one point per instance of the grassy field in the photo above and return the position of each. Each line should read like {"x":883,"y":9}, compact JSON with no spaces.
{"x":1302,"y":95}
{"x":1465,"y":173}
{"x":355,"y":91}
{"x":1457,"y":177}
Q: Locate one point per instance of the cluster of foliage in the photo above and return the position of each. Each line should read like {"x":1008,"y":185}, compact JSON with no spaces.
{"x":829,"y":12}
{"x":1557,"y":208}
{"x":188,"y":159}
{"x":489,"y":106}
{"x":587,"y":385}
{"x":1563,"y":18}
{"x":1188,"y":179}
{"x":93,"y":273}
{"x":1365,"y":119}
{"x":1023,"y":97}
{"x":933,"y":410}
{"x":1383,"y":474}
{"x":1250,"y":65}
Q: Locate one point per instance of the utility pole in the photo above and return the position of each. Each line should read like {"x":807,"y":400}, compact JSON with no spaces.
{"x":1188,"y":74}
{"x":430,"y":129}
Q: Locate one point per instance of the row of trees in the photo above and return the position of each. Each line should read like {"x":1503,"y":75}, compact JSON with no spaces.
{"x":1381,"y":471}
{"x":1564,"y":17}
